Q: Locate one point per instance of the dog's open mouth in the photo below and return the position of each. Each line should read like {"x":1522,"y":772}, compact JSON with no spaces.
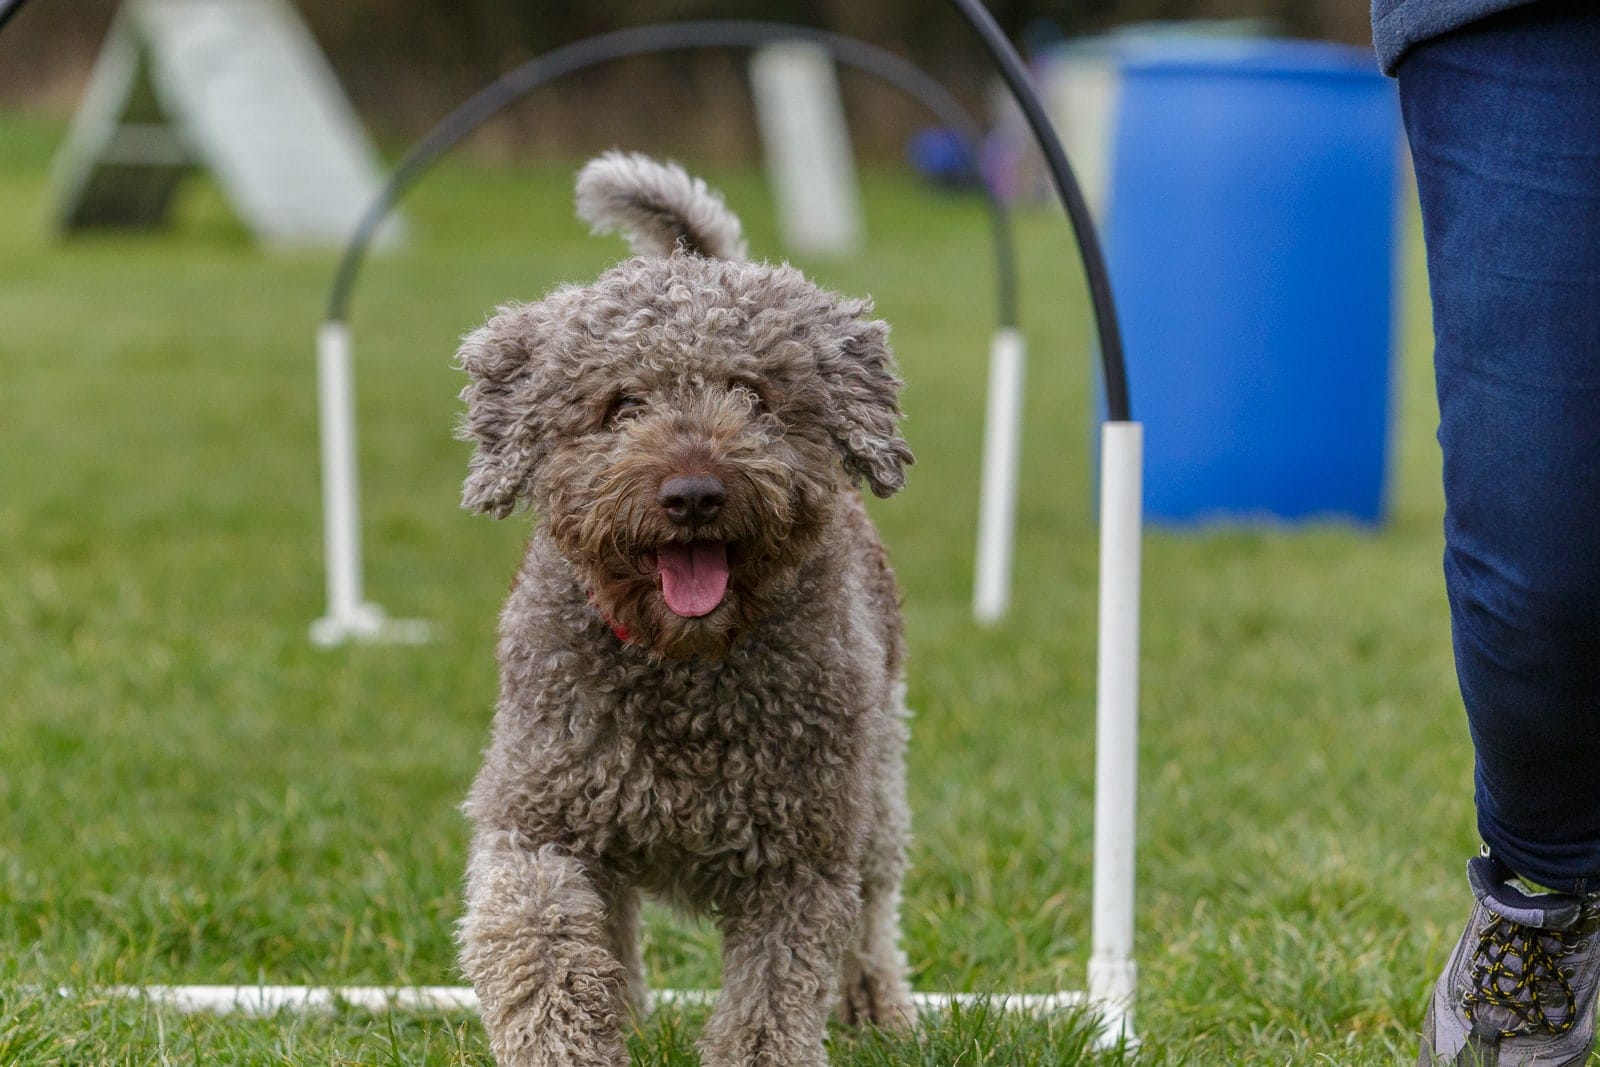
{"x":694,"y":576}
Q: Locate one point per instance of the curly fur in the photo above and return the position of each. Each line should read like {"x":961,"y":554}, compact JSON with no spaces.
{"x":746,"y":763}
{"x":658,"y":207}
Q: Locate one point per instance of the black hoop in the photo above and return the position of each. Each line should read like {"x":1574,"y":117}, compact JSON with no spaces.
{"x":1113,"y":365}
{"x":668,"y":37}
{"x":9,"y":8}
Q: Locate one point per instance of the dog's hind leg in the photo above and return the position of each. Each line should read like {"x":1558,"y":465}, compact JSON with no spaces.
{"x":535,"y":943}
{"x":780,"y":957}
{"x":622,"y":924}
{"x":872,"y":976}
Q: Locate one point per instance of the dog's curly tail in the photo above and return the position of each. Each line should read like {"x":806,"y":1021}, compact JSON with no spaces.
{"x":658,"y":207}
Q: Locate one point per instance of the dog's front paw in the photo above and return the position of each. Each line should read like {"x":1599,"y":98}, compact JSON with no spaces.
{"x":760,"y":1047}
{"x":544,"y":1035}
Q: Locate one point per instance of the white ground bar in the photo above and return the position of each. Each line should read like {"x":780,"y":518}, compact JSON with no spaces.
{"x":271,"y":999}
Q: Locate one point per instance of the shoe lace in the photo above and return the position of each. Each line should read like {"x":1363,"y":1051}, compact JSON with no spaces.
{"x":1519,"y":969}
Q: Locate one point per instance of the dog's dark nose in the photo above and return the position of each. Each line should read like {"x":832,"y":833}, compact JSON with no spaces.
{"x":692,"y":499}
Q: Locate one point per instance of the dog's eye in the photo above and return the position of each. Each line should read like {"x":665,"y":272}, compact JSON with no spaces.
{"x":624,"y":408}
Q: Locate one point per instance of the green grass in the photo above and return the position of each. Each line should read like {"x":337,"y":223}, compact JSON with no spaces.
{"x":189,"y":793}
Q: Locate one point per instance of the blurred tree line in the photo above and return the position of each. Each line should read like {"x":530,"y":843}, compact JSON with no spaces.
{"x":406,"y":62}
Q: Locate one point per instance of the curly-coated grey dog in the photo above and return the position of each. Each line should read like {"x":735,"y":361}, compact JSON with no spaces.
{"x":700,"y":658}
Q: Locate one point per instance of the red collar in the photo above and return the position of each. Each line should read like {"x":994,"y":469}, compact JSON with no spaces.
{"x":623,"y":633}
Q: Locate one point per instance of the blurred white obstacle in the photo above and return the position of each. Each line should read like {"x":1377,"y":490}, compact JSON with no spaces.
{"x":807,"y":144}
{"x":236,"y":86}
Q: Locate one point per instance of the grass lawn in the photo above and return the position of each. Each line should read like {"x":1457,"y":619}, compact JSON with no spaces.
{"x":190,"y":793}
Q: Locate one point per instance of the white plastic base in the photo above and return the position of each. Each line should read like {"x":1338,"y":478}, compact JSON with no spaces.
{"x":1111,"y":987}
{"x":367,"y":624}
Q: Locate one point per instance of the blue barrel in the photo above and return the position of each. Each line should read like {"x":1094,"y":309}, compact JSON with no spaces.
{"x":1251,"y":242}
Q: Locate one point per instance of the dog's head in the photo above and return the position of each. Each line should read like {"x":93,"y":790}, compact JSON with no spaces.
{"x":683,"y":427}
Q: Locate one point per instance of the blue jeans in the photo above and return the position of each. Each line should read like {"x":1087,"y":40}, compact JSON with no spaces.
{"x":1504,"y":122}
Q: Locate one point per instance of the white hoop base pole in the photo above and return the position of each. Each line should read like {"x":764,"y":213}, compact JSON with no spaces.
{"x":1113,"y":976}
{"x":349,"y":617}
{"x":997,"y":493}
{"x":269,"y":1000}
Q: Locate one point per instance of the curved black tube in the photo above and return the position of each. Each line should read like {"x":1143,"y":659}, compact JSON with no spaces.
{"x":9,"y":8}
{"x":1118,"y":407}
{"x":673,"y":36}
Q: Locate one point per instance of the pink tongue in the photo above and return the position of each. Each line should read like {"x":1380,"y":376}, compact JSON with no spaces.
{"x":694,"y":577}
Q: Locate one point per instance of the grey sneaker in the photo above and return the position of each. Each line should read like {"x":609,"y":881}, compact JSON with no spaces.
{"x":1520,"y":987}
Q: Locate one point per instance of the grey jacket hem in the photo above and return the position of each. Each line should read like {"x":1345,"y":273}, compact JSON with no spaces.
{"x":1399,"y":24}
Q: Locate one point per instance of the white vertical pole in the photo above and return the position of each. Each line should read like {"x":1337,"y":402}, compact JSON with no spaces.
{"x":997,"y":493}
{"x":807,"y":145}
{"x":1112,"y":972}
{"x":341,"y":506}
{"x":349,"y":616}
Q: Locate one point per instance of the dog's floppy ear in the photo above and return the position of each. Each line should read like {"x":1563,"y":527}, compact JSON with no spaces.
{"x":501,"y":358}
{"x":864,"y":403}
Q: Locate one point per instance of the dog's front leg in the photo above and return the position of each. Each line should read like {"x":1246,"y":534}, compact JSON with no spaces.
{"x":780,"y":956}
{"x":536,"y":945}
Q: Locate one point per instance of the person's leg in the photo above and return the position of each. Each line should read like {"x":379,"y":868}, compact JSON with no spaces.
{"x":1504,"y":123}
